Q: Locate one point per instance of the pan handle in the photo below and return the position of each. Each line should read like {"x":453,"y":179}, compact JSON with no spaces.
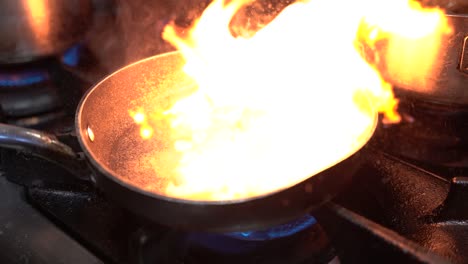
{"x":44,"y":145}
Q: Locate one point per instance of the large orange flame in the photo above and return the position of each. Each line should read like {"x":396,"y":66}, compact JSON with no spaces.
{"x":291,"y":99}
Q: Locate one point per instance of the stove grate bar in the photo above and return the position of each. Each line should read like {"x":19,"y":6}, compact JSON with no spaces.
{"x":388,"y":236}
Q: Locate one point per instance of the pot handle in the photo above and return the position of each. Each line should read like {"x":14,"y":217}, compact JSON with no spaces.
{"x":43,"y":145}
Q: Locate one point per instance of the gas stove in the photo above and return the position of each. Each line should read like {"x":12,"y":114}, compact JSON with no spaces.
{"x":395,"y":210}
{"x":406,"y":203}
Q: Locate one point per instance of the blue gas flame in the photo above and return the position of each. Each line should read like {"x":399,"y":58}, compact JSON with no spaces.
{"x":280,"y":231}
{"x":25,"y":78}
{"x":239,"y":242}
{"x":71,"y":57}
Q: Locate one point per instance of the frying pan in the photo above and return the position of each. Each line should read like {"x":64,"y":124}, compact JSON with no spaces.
{"x":103,"y":128}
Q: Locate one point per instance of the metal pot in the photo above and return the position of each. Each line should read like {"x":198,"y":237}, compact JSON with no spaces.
{"x":448,"y":83}
{"x":104,"y":130}
{"x":36,"y":28}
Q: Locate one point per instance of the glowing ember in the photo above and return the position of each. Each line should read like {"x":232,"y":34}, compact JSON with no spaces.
{"x":146,"y":131}
{"x":139,"y":118}
{"x":290,"y":100}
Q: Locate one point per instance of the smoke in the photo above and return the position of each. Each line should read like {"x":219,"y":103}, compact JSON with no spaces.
{"x":139,"y":24}
{"x":125,"y":31}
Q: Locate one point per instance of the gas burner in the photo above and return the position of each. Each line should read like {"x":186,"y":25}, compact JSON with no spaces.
{"x":23,"y":78}
{"x":280,"y":231}
{"x":309,"y":245}
{"x":41,"y":93}
{"x":26,"y":93}
{"x":299,"y":241}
